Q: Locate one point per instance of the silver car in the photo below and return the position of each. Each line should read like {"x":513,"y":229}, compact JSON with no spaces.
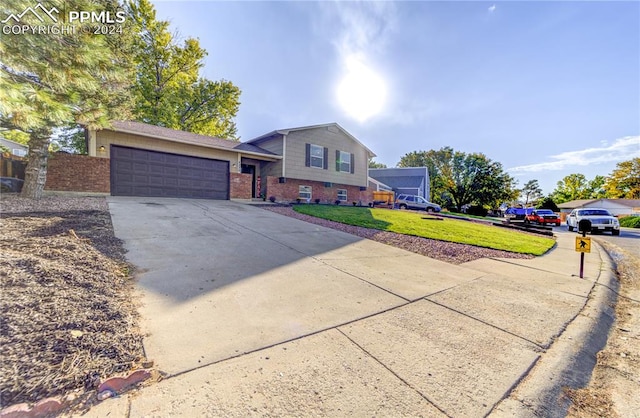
{"x":601,"y":220}
{"x":409,"y":201}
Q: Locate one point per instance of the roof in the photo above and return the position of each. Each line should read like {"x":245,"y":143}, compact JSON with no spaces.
{"x":304,"y":128}
{"x":8,"y":142}
{"x":398,"y":172}
{"x":167,"y":134}
{"x":632,"y":203}
{"x":402,"y":181}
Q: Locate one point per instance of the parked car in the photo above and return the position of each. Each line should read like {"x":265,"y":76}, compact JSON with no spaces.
{"x":408,"y":201}
{"x":543,"y":217}
{"x":601,"y":220}
{"x":10,"y":185}
{"x":517,"y":214}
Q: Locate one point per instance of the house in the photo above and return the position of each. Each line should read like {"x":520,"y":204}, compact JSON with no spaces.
{"x":615,"y":206}
{"x":14,"y":148}
{"x":322,"y":162}
{"x":407,"y":180}
{"x":136,"y":159}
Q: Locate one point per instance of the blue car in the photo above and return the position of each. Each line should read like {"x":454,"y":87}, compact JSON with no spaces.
{"x":517,"y":214}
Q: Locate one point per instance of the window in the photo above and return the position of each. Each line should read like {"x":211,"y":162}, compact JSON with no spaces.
{"x":316,"y":154}
{"x":342,"y":195}
{"x":305,"y":192}
{"x":343,"y":162}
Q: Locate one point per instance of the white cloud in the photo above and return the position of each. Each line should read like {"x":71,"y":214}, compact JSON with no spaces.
{"x":621,"y":149}
{"x":492,"y":8}
{"x":358,"y":27}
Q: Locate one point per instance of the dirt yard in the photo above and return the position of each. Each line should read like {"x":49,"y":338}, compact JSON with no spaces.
{"x":69,"y":317}
{"x":615,"y":383}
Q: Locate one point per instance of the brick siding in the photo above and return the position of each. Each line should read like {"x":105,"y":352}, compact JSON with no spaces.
{"x":290,"y":190}
{"x":78,"y":173}
{"x":240,"y":187}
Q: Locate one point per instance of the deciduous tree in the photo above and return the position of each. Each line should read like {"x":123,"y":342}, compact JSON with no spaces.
{"x":462,"y":178}
{"x":374,"y":164}
{"x":571,"y":187}
{"x":169,"y":90}
{"x":56,"y":79}
{"x":624,"y":181}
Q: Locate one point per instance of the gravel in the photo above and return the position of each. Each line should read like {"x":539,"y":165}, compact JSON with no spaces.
{"x":450,"y":252}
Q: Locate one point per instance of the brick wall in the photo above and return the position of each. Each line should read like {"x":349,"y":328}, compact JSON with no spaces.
{"x":240,"y":186}
{"x":289,"y":191}
{"x":78,"y":173}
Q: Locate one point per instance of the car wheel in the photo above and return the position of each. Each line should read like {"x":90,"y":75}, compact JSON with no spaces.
{"x":429,"y":210}
{"x":570,"y":228}
{"x":403,"y":206}
{"x":615,"y":232}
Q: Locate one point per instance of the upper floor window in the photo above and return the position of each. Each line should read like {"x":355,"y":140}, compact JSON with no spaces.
{"x":344,"y":162}
{"x":316,"y":156}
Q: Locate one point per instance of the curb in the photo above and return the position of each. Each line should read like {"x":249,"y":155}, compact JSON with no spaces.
{"x":570,"y":360}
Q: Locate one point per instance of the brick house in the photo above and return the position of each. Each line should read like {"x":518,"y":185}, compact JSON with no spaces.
{"x":136,"y":159}
{"x":322,"y":162}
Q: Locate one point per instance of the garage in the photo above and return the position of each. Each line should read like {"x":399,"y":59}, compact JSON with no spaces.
{"x":140,"y":172}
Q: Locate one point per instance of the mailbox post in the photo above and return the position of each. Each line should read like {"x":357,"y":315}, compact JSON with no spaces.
{"x":582,"y":244}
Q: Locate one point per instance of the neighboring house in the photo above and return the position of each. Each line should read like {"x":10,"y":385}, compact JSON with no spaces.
{"x":615,"y":206}
{"x":322,"y":162}
{"x":12,"y":159}
{"x":136,"y":159}
{"x":409,"y":180}
{"x":16,"y":149}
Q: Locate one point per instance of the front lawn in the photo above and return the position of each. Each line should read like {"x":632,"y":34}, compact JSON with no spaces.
{"x":427,"y":226}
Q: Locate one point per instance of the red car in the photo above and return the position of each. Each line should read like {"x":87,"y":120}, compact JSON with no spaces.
{"x":543,"y":217}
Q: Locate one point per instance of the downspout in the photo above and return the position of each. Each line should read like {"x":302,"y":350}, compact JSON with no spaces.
{"x":284,"y":153}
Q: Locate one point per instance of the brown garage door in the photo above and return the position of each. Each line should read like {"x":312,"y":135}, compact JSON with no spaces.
{"x":138,"y":172}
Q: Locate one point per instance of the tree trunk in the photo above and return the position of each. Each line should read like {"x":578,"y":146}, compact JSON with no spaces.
{"x":36,"y":171}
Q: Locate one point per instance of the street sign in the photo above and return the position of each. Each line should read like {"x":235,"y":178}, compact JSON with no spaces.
{"x":583,"y":244}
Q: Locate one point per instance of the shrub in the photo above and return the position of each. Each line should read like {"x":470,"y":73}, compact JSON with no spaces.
{"x":477,"y":210}
{"x":272,"y":199}
{"x":548,"y":203}
{"x":317,"y":200}
{"x":630,"y":221}
{"x":337,"y":202}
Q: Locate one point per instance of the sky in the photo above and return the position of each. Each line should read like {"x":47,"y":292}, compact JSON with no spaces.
{"x":546,"y":88}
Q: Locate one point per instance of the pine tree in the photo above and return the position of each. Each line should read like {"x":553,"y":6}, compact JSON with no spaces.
{"x":53,"y":80}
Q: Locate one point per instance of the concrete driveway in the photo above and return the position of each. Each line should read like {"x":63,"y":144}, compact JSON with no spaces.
{"x":253,"y":313}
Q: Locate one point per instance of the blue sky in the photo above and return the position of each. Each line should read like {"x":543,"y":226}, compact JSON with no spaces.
{"x":545,"y":88}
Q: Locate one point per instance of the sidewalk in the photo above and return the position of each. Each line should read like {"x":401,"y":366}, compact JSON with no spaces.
{"x":447,"y":341}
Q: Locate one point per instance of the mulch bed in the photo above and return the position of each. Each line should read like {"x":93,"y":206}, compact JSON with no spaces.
{"x":69,"y":315}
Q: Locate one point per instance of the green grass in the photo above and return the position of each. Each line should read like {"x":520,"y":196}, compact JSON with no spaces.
{"x":423,"y":225}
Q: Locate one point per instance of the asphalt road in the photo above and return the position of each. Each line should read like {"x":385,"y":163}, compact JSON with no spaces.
{"x":629,"y":238}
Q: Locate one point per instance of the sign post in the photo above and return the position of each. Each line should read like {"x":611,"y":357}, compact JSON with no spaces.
{"x":583,"y":243}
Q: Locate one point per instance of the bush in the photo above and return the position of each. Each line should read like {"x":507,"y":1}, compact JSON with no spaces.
{"x":317,"y":201}
{"x":477,"y":210}
{"x":272,"y":199}
{"x":337,"y":202}
{"x":548,"y":203}
{"x":630,"y":221}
